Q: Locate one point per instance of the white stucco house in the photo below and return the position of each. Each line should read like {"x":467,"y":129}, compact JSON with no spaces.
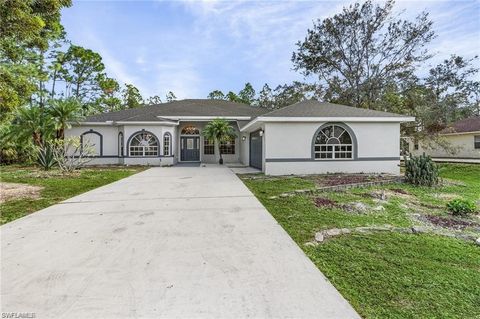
{"x":303,"y":138}
{"x":463,"y":137}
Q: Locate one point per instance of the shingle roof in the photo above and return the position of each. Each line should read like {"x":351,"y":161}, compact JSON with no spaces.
{"x":191,"y":107}
{"x":471,"y":124}
{"x":313,"y":108}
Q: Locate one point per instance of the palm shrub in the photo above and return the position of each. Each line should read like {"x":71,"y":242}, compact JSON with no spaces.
{"x":421,"y":170}
{"x":218,"y":130}
{"x":63,"y":113}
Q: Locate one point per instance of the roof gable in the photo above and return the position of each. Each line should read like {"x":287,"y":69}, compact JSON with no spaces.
{"x":313,"y":108}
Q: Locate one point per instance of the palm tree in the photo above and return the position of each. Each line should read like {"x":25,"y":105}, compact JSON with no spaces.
{"x":218,"y":130}
{"x":31,"y":124}
{"x":64,"y":113}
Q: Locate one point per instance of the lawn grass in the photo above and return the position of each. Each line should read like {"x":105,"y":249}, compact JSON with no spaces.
{"x":386,"y":275}
{"x":56,"y":187}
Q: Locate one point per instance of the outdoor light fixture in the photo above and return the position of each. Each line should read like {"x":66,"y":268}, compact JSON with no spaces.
{"x":261,"y":132}
{"x":244,"y":138}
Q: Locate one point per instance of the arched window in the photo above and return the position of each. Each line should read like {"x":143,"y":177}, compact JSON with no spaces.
{"x":167,"y":144}
{"x":120,"y":144}
{"x":144,"y":144}
{"x":190,"y":130}
{"x":333,"y":141}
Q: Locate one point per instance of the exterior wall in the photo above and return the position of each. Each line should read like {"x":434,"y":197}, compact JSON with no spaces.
{"x":244,"y":148}
{"x":464,"y":143}
{"x":288,"y":149}
{"x":227,"y":158}
{"x":108,"y":150}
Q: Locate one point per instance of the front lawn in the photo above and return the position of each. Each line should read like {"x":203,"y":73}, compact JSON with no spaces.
{"x":387,"y":274}
{"x":53,"y":187}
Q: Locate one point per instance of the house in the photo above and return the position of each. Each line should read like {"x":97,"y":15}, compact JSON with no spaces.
{"x":463,"y":137}
{"x":303,"y":138}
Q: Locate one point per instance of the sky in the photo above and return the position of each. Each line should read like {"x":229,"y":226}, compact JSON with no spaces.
{"x":194,"y":47}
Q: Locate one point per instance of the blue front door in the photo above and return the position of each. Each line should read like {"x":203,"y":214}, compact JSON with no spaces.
{"x":190,"y":148}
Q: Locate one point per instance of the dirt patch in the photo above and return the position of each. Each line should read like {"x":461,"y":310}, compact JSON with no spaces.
{"x":11,"y":191}
{"x":448,"y":222}
{"x":325,"y":202}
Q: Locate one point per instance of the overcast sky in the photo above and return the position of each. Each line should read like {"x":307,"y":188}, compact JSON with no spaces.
{"x":194,"y":47}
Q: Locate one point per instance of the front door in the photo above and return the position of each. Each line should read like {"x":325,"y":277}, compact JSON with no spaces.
{"x":190,"y":148}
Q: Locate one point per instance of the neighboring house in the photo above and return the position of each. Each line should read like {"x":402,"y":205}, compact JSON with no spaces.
{"x":463,"y":137}
{"x":304,"y":138}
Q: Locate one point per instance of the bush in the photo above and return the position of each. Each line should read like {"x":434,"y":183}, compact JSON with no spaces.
{"x":71,"y":154}
{"x":46,"y":157}
{"x":461,"y":207}
{"x":421,"y":170}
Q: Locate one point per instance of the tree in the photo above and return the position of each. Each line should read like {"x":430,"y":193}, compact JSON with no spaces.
{"x":218,"y":130}
{"x":231,"y":96}
{"x":453,"y":90}
{"x":26,"y":29}
{"x":31,"y":124}
{"x":153,"y":100}
{"x":288,"y":94}
{"x":64,"y":112}
{"x":109,"y":100}
{"x":265,"y":97}
{"x":216,"y":95}
{"x":247,"y":94}
{"x":131,"y":96}
{"x":358,"y":50}
{"x":82,"y":69}
{"x":170,"y":96}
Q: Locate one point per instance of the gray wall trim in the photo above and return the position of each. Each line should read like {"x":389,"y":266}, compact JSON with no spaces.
{"x":360,"y":159}
{"x":143,"y":131}
{"x":342,"y":125}
{"x":91,"y":131}
{"x":116,"y":156}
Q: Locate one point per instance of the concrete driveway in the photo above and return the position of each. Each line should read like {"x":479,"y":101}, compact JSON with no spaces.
{"x":179,"y":242}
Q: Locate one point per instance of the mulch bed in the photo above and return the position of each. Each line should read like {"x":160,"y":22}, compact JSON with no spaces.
{"x":450,"y":222}
{"x":325,"y":202}
{"x":399,"y":191}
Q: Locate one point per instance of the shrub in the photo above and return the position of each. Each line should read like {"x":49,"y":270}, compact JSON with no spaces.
{"x":72,"y":154}
{"x":421,"y":170}
{"x":461,"y":206}
{"x":46,"y":158}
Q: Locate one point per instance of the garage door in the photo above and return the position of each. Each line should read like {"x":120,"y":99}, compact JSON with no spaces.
{"x":256,"y":150}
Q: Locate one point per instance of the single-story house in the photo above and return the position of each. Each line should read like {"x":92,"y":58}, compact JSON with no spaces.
{"x":464,"y":140}
{"x":307,"y":137}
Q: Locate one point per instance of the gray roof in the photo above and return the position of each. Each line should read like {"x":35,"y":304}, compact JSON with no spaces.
{"x":471,"y":124}
{"x":197,"y":107}
{"x":313,"y":108}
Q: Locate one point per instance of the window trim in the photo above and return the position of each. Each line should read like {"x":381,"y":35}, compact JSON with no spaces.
{"x":140,"y":156}
{"x":234,"y":144}
{"x":349,"y":130}
{"x":476,"y":142}
{"x":169,"y":149}
{"x":91,"y":131}
{"x":212,"y":145}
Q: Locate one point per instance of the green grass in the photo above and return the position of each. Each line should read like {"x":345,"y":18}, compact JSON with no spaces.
{"x":387,"y":275}
{"x":56,"y":187}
